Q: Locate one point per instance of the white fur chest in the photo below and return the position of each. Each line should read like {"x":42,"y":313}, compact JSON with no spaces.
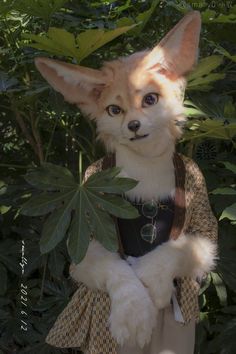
{"x":155,"y":175}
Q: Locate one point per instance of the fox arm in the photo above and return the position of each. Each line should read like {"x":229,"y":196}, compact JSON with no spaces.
{"x":193,"y":254}
{"x":101,"y":269}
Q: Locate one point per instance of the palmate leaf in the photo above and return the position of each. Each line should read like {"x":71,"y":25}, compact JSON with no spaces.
{"x":202,"y":77}
{"x":209,"y":129}
{"x":78,"y":235}
{"x":60,"y":42}
{"x":78,"y":210}
{"x":114,"y":205}
{"x":92,"y":39}
{"x":57,"y":224}
{"x":50,"y":177}
{"x":103,"y":182}
{"x":44,"y":203}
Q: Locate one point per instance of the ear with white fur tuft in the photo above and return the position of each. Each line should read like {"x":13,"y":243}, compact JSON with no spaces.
{"x":76,"y":83}
{"x":177,"y":52}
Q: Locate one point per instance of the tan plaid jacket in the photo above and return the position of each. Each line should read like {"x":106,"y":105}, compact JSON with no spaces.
{"x":84,"y":322}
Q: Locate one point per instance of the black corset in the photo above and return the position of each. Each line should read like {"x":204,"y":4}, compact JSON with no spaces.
{"x":129,"y":229}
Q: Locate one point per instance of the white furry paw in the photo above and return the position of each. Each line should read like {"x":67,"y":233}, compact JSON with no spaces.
{"x":161,"y":291}
{"x":133,"y":315}
{"x":159,"y":284}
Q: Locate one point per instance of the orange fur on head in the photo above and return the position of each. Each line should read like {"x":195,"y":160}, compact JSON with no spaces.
{"x":126,"y":81}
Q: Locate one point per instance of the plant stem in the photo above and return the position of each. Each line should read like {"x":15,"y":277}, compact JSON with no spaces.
{"x":80,"y":166}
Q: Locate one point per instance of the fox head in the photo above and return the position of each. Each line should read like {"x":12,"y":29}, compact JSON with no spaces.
{"x":137,"y":101}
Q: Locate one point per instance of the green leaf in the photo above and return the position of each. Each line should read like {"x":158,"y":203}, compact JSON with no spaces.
{"x":224,"y":52}
{"x":60,"y":42}
{"x":102,"y":224}
{"x":229,"y":212}
{"x":205,"y":66}
{"x":92,"y":39}
{"x":101,"y":176}
{"x":116,"y":185}
{"x":209,"y":129}
{"x":224,"y":191}
{"x":78,"y":210}
{"x":199,"y":82}
{"x":3,"y":277}
{"x":115,"y":205}
{"x":44,"y":43}
{"x":144,"y":17}
{"x":55,"y":227}
{"x":38,"y":8}
{"x":220,"y":288}
{"x":230,"y":166}
{"x":44,"y":203}
{"x":63,"y":40}
{"x":79,"y":232}
{"x":50,"y":177}
{"x":191,"y":110}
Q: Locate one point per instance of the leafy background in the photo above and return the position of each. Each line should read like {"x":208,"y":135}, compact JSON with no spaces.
{"x":44,"y":140}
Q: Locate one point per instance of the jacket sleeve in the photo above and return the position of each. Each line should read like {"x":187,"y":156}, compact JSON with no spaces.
{"x":202,"y":221}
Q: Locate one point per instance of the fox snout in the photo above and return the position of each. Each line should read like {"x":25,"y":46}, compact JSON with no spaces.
{"x":134,"y":125}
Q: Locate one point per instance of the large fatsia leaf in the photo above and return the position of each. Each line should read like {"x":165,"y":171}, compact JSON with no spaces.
{"x":38,"y":8}
{"x":55,"y":227}
{"x":209,"y":129}
{"x":78,"y":235}
{"x":78,"y":210}
{"x":58,"y":41}
{"x":211,"y":16}
{"x":202,"y":77}
{"x":103,"y":182}
{"x":50,"y":177}
{"x":91,"y":40}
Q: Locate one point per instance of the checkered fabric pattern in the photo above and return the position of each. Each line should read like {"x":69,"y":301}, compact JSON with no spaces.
{"x":84,"y":322}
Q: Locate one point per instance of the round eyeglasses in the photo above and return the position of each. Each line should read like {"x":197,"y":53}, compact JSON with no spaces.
{"x":148,"y":231}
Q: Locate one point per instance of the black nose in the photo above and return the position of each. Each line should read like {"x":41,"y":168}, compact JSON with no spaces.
{"x":134,"y":125}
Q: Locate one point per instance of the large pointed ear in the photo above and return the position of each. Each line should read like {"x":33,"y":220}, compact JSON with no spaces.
{"x":178,"y":51}
{"x":76,"y":83}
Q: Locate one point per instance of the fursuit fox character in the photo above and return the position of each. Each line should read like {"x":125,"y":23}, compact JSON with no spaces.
{"x":145,"y":302}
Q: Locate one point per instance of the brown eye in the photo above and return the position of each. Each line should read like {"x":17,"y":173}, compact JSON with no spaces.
{"x":114,"y":110}
{"x":150,"y":99}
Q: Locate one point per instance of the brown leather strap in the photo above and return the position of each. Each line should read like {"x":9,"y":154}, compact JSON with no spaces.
{"x":180,"y":209}
{"x":179,"y":215}
{"x":109,"y":161}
